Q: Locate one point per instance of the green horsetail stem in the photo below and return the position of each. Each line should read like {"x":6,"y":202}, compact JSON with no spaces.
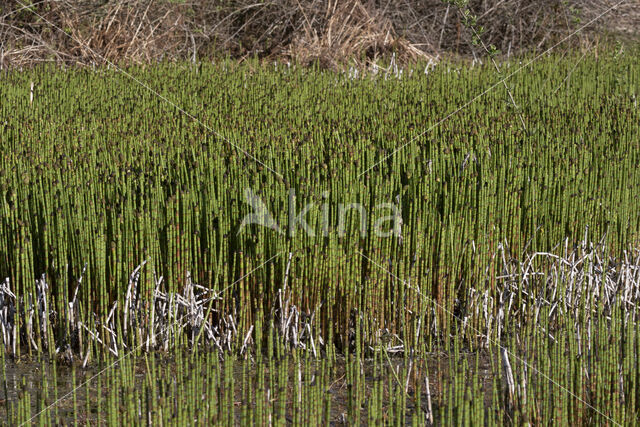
{"x":473,"y":273}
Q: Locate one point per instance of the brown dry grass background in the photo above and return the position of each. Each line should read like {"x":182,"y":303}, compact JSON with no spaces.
{"x":329,"y":32}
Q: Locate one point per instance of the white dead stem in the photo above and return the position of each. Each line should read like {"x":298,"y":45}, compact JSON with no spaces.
{"x":429,"y":415}
{"x":508,"y":377}
{"x":246,"y":340}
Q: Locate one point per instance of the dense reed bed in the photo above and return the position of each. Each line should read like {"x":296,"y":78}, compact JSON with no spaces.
{"x":462,"y":271}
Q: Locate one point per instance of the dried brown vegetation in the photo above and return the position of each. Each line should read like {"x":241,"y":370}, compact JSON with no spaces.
{"x":330,"y":32}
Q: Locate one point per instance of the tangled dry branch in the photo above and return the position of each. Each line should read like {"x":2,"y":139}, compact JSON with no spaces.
{"x":329,"y":32}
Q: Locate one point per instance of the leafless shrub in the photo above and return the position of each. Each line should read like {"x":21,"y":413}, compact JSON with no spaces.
{"x":330,"y":32}
{"x":348,"y":29}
